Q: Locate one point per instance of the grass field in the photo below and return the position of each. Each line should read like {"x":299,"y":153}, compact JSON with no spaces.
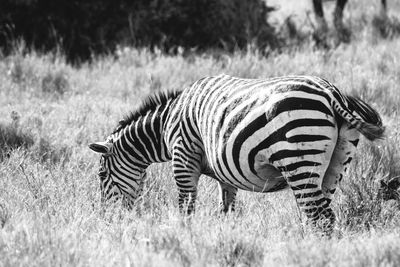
{"x":50,"y":213}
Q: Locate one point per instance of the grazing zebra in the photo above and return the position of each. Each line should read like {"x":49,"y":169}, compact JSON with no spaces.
{"x":260,"y":135}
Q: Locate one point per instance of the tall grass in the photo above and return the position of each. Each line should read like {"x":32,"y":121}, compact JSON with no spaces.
{"x":49,"y":193}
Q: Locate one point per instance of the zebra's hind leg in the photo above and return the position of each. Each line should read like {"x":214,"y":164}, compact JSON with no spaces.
{"x":311,"y":201}
{"x":228,"y":196}
{"x":304,"y":174}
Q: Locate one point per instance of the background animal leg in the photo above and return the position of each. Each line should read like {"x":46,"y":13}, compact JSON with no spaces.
{"x":320,"y":33}
{"x":383,"y":8}
{"x":343,"y":32}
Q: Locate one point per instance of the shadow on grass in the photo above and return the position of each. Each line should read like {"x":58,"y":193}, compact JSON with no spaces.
{"x":14,"y":136}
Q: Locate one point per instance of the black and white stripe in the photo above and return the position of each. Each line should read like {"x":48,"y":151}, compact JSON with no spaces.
{"x":259,"y":135}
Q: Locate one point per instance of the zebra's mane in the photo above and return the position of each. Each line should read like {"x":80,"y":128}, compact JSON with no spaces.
{"x":150,"y":103}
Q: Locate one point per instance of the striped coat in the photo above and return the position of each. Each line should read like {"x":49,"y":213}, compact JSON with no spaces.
{"x":260,"y":135}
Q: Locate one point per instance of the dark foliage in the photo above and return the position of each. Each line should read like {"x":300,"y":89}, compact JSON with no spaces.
{"x":84,"y":28}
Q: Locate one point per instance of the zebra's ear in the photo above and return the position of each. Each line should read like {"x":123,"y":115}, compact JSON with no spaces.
{"x":101,"y":147}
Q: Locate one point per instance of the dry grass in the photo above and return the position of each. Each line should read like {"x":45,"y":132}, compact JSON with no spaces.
{"x":49,"y":197}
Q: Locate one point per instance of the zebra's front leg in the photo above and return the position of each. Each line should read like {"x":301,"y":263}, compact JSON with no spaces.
{"x":186,"y":180}
{"x":187,"y":200}
{"x":186,"y":173}
{"x":228,"y":196}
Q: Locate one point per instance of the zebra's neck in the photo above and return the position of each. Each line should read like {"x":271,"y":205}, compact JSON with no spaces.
{"x":143,"y":140}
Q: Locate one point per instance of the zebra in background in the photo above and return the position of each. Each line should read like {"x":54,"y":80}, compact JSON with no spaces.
{"x":337,"y":17}
{"x":260,"y":135}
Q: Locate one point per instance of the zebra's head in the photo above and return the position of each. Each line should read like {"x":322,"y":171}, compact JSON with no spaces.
{"x":118,"y":180}
{"x":134,"y":144}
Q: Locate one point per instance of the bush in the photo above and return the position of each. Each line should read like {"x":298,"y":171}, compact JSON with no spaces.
{"x":82,"y":28}
{"x":385,"y":27}
{"x":202,"y":23}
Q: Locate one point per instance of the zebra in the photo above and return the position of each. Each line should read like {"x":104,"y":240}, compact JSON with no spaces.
{"x":337,"y":18}
{"x":260,"y":135}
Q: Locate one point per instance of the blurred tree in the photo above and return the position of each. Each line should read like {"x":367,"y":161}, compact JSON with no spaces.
{"x":83,"y":28}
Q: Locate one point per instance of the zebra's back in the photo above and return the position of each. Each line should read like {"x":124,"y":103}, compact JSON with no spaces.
{"x":253,"y":129}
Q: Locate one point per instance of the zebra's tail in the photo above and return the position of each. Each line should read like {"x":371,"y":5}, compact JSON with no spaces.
{"x":369,"y":124}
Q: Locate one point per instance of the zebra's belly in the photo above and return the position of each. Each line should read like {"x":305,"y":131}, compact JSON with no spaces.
{"x":268,"y":179}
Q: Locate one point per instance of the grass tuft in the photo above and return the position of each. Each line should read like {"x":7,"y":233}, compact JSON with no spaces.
{"x":55,"y":83}
{"x":5,"y":215}
{"x":362,"y":205}
{"x":17,"y":70}
{"x":171,"y":244}
{"x":12,"y":136}
{"x":231,"y":251}
{"x":45,"y":151}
